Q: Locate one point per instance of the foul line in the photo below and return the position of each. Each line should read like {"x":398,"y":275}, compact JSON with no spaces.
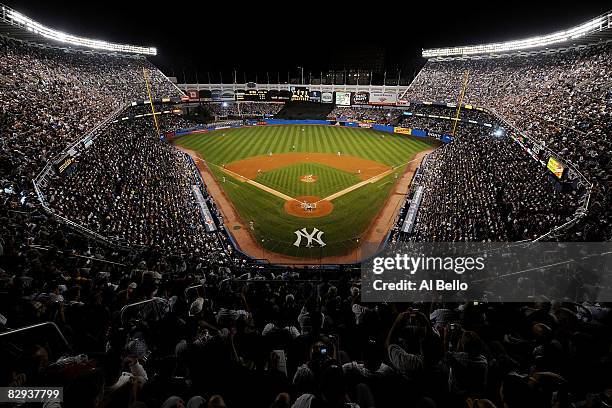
{"x":256,"y":184}
{"x":285,"y":197}
{"x":365,"y":182}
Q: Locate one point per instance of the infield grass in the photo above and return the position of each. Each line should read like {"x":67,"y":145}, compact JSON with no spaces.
{"x":287,"y":180}
{"x":352,"y":213}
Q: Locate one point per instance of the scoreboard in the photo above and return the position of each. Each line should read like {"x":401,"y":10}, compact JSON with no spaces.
{"x":300,"y":94}
{"x":251,"y":95}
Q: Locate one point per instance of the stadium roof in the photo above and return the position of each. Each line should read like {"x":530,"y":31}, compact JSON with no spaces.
{"x":16,"y":25}
{"x":593,"y":31}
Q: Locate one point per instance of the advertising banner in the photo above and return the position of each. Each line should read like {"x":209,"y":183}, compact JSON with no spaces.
{"x":383,"y":98}
{"x":343,"y":98}
{"x":215,"y":94}
{"x":555,"y":167}
{"x":65,"y":165}
{"x":193,"y":95}
{"x":402,"y":130}
{"x":360,"y":98}
{"x":327,"y":97}
{"x":408,"y":225}
{"x":383,"y":128}
{"x":227,"y":96}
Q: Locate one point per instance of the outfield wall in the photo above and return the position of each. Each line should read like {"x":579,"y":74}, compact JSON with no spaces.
{"x":445,"y":138}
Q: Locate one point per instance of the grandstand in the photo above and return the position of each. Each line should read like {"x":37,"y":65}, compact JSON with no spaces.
{"x":130,"y":275}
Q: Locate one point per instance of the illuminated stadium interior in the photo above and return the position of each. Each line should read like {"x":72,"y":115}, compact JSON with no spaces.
{"x":311,"y":221}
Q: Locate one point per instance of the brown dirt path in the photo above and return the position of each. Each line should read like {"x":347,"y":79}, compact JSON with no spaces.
{"x":321,"y":209}
{"x":249,"y":167}
{"x":375,"y":234}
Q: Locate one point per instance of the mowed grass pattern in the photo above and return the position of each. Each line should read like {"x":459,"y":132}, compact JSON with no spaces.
{"x":228,"y":145}
{"x":353,"y":212}
{"x":287,"y":180}
{"x":273,"y":227}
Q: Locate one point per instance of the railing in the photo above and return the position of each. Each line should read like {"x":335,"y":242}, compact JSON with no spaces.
{"x":9,"y":333}
{"x":41,"y":180}
{"x":584,"y":200}
{"x":157,"y":302}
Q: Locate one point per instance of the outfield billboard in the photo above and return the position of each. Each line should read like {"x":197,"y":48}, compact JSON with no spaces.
{"x":314,"y":96}
{"x":383,"y":98}
{"x":215,"y":94}
{"x":343,"y":98}
{"x":327,"y":97}
{"x":360,"y":98}
{"x":228,"y":96}
{"x":193,"y":94}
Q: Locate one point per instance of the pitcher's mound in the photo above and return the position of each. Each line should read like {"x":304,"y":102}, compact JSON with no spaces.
{"x":308,"y":207}
{"x":308,"y":178}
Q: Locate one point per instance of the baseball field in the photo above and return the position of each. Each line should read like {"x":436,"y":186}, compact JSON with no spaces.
{"x":303,"y":191}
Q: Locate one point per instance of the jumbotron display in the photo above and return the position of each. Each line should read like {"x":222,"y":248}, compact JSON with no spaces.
{"x":368,"y":229}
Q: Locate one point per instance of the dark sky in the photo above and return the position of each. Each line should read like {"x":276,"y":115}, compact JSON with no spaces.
{"x":211,"y":36}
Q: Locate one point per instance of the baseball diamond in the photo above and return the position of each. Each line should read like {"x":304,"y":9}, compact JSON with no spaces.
{"x":261,"y":170}
{"x":280,"y":207}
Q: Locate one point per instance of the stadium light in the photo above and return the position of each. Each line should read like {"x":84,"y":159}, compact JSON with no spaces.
{"x":599,"y":23}
{"x":20,"y":20}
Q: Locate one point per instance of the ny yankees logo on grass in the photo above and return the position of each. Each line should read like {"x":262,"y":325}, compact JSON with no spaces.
{"x":314,"y":236}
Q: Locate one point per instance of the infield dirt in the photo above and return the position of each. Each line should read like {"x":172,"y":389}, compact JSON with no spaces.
{"x":375,"y":234}
{"x":321,"y":209}
{"x":363,"y":168}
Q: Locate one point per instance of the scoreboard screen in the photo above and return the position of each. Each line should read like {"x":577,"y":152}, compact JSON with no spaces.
{"x":300,"y":94}
{"x":252,"y":95}
{"x":555,"y":167}
{"x":281,"y":95}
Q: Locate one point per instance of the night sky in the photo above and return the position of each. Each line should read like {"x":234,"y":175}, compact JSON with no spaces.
{"x":208,"y":37}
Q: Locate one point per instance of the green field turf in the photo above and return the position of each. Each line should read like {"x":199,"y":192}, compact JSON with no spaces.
{"x":353,"y":212}
{"x":228,"y":145}
{"x":287,"y":180}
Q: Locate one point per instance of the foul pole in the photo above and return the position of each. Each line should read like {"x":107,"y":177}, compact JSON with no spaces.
{"x":146,"y":78}
{"x":465,"y":81}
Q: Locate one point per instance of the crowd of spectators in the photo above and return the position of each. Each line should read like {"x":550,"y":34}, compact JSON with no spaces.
{"x":244,"y":109}
{"x":145,"y":327}
{"x":436,"y":125}
{"x":562,"y":99}
{"x":448,"y":111}
{"x":274,"y":337}
{"x":50,"y":96}
{"x":381,"y":115}
{"x":132,"y":186}
{"x":486,"y":188}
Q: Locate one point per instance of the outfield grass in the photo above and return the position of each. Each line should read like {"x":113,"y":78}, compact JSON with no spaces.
{"x":228,"y":145}
{"x":287,"y":180}
{"x":353,"y":212}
